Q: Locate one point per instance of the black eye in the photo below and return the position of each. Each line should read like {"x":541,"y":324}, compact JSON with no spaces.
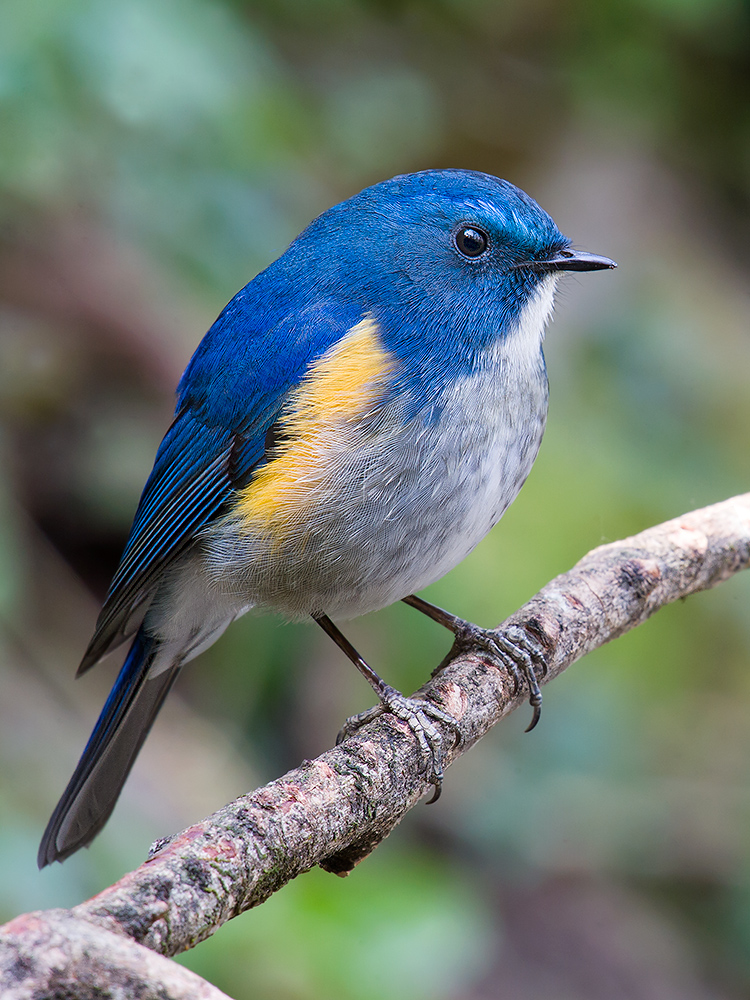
{"x":471,"y":241}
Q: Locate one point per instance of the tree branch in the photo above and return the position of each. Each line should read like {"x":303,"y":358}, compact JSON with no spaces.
{"x":56,"y":955}
{"x":334,"y":810}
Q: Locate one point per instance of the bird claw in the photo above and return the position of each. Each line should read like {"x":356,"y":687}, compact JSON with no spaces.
{"x":519,"y":653}
{"x":418,"y":714}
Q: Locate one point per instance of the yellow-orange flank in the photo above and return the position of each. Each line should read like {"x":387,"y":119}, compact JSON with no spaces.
{"x":337,"y":388}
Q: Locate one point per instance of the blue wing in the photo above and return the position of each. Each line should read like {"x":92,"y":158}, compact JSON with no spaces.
{"x":230,"y":395}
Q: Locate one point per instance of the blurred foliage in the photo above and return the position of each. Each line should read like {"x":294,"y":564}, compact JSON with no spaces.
{"x":154,"y":157}
{"x":412,"y":928}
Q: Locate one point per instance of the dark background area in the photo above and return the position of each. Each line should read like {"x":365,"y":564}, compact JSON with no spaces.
{"x":154,"y":157}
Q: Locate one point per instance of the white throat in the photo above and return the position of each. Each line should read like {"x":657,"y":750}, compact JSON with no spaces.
{"x":522,"y":344}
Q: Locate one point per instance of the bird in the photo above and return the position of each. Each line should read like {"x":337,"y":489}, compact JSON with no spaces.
{"x":357,"y":419}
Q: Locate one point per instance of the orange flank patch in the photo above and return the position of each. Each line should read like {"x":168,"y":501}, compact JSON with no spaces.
{"x":336,"y":389}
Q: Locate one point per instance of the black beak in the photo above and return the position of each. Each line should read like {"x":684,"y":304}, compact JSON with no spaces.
{"x":572,"y":260}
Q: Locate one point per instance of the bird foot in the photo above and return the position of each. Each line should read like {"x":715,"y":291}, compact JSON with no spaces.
{"x":419,"y":714}
{"x":518,"y":652}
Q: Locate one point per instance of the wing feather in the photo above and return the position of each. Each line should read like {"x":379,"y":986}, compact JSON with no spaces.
{"x":230,"y":395}
{"x":175,"y":504}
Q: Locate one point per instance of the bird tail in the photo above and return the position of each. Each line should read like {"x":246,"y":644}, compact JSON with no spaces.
{"x":123,"y":725}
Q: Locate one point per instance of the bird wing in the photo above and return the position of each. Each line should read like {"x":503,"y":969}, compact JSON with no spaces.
{"x":228,"y":399}
{"x":191,"y":479}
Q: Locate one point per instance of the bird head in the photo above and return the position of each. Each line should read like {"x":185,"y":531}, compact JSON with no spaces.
{"x":454,"y":241}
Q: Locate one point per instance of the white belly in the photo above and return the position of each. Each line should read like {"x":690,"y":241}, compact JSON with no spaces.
{"x":395,"y":511}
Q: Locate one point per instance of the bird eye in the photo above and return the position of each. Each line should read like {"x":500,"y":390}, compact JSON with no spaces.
{"x":471,"y":241}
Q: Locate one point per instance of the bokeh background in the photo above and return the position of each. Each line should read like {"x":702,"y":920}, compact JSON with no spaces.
{"x":154,"y":157}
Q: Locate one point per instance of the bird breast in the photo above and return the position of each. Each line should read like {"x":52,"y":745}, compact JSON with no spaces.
{"x":370,"y":508}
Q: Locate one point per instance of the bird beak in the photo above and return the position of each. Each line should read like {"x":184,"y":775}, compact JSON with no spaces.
{"x":573,"y":260}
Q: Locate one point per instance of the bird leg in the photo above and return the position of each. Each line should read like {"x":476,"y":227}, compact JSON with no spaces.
{"x":418,"y":713}
{"x":517,"y":651}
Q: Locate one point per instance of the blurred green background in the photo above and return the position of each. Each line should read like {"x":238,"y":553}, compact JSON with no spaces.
{"x":153,"y":157}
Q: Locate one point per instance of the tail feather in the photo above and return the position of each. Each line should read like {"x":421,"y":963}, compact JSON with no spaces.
{"x":124,"y":723}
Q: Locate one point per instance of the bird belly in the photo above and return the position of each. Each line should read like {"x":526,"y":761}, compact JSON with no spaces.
{"x":379,"y":508}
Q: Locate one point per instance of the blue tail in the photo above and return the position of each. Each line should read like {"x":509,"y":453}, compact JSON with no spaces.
{"x":118,"y":735}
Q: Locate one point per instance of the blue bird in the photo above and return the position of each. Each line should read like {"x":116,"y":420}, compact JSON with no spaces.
{"x":350,"y":428}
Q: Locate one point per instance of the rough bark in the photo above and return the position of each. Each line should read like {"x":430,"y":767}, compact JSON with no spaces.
{"x":334,"y":810}
{"x":55,"y":955}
